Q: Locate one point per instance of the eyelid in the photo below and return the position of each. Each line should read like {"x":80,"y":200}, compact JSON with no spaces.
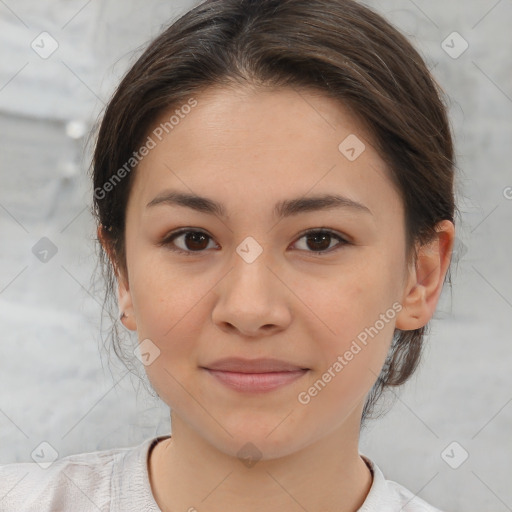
{"x":325,"y":229}
{"x":169,"y":238}
{"x":343,"y":240}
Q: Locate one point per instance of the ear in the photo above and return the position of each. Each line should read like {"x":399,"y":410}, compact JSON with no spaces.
{"x":124,"y":298}
{"x":426,"y":278}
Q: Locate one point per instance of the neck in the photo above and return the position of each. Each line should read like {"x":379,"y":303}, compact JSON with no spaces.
{"x":188,"y":473}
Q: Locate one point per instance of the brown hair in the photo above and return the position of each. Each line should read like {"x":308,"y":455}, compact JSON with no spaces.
{"x":337,"y":47}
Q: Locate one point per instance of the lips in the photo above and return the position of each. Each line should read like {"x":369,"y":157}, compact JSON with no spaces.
{"x":254,"y":375}
{"x":262,"y":365}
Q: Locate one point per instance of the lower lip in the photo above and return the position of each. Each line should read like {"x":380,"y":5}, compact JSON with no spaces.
{"x":256,"y":382}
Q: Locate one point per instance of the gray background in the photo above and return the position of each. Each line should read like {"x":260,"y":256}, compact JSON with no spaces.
{"x":58,"y":384}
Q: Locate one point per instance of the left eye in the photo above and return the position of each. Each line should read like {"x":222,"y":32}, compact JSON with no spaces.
{"x":195,"y":240}
{"x":322,"y":240}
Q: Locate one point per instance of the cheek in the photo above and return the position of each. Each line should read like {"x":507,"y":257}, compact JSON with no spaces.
{"x":333,"y":393}
{"x":358,"y":311}
{"x":350,"y":300}
{"x":171,"y":313}
{"x":349,"y":362}
{"x":166,"y":298}
{"x":172,"y":307}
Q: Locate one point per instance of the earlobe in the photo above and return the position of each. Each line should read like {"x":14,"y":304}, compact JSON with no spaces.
{"x":126,"y":305}
{"x":426,"y":279}
{"x":123,"y":292}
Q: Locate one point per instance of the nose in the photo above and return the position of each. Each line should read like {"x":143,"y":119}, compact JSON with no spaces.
{"x":252,"y":299}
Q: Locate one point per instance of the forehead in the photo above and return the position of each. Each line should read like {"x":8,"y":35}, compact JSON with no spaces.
{"x":260,"y":144}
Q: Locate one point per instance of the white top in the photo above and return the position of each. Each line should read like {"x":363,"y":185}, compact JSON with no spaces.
{"x":117,"y":480}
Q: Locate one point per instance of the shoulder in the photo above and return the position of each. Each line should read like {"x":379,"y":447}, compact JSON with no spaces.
{"x":389,"y":496}
{"x":85,"y":481}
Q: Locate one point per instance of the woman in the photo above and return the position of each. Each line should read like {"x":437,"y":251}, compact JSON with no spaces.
{"x":273,"y":186}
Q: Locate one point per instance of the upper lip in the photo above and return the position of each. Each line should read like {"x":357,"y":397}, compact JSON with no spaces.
{"x":261,"y":365}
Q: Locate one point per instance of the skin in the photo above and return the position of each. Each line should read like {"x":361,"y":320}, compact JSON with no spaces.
{"x":249,"y":149}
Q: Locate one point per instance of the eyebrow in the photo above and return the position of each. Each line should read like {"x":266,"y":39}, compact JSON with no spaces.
{"x":282,"y":209}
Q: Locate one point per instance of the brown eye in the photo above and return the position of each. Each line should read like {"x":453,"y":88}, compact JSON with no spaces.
{"x":320,"y":241}
{"x":195,"y":240}
{"x":190,"y":241}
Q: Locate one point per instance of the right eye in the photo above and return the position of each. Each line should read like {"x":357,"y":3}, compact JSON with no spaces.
{"x":192,"y":241}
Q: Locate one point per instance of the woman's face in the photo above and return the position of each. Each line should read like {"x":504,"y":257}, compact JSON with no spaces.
{"x":255,"y":285}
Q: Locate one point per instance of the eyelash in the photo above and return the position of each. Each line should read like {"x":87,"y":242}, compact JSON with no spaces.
{"x":167,"y":242}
